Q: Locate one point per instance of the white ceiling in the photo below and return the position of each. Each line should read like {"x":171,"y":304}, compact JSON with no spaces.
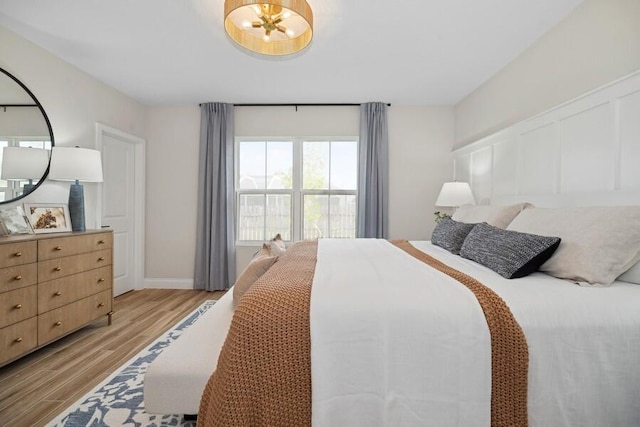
{"x":175,"y":52}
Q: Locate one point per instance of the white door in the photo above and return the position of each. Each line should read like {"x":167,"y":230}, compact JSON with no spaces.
{"x":119,"y":203}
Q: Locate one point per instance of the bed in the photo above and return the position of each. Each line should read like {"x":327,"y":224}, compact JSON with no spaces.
{"x":393,"y":341}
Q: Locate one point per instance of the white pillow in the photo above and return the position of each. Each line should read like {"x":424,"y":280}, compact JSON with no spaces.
{"x":498,"y":216}
{"x":598,"y":243}
{"x":632,"y":275}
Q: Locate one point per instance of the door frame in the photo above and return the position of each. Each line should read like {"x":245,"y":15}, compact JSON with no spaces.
{"x":103,"y":130}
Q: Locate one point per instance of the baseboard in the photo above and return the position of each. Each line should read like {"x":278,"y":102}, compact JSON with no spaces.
{"x":154,"y":283}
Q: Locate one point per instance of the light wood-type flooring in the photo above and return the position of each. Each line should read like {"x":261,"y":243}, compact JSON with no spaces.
{"x":35,"y":388}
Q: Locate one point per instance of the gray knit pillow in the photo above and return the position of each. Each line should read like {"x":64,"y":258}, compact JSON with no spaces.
{"x":450,"y":234}
{"x":509,"y":253}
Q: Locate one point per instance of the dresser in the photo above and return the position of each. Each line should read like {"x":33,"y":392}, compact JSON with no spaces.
{"x":52,"y":285}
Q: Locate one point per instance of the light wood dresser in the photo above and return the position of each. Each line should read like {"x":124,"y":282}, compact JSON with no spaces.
{"x":52,"y":285}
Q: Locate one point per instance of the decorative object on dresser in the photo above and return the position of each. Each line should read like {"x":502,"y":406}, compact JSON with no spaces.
{"x":453,"y":195}
{"x":78,"y":165}
{"x":48,"y":217}
{"x":14,"y":221}
{"x":51,"y":286}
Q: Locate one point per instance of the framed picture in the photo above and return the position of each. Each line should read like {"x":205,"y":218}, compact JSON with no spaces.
{"x":48,"y":217}
{"x":14,"y":221}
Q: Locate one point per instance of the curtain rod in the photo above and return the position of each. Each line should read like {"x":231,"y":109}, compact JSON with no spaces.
{"x":297,"y":105}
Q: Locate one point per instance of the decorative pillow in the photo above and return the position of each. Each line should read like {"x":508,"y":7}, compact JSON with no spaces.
{"x":498,"y":216}
{"x":632,"y":275}
{"x":508,"y":253}
{"x":450,"y":234}
{"x":598,"y":243}
{"x":259,"y":265}
{"x":277,"y":245}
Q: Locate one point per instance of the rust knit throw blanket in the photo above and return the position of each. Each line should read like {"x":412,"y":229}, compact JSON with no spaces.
{"x":263,"y":377}
{"x":509,"y":350}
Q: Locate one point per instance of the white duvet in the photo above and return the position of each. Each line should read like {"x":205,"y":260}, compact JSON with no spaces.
{"x":397,"y":343}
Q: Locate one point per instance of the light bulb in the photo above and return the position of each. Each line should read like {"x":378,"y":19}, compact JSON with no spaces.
{"x":286,"y":14}
{"x":257,"y":9}
{"x":290,"y":33}
{"x":266,"y":38}
{"x":246,"y":24}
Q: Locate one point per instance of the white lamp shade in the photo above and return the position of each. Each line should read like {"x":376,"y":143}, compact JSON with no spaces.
{"x":454,"y":194}
{"x":23,"y":163}
{"x":71,"y":163}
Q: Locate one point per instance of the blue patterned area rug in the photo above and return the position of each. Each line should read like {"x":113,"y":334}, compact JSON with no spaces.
{"x":118,"y":400}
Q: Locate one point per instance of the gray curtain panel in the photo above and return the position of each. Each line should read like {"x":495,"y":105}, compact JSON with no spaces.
{"x":373,"y":171}
{"x":215,"y":240}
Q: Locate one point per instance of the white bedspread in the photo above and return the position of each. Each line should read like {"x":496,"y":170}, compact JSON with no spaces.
{"x":395,"y":342}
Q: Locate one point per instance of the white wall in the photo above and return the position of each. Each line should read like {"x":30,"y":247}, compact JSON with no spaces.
{"x":74,"y":102}
{"x":420,"y":140}
{"x":598,"y":43}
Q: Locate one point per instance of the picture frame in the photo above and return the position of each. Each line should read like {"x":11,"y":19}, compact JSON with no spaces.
{"x":48,"y":217}
{"x":14,"y":221}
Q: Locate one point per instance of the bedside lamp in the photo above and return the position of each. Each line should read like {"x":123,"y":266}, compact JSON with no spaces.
{"x":78,"y":165}
{"x":24,"y":163}
{"x":452,"y":195}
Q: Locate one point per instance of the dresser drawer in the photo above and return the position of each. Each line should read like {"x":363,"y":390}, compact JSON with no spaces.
{"x":18,"y":305}
{"x":66,"y":246}
{"x":65,"y":319}
{"x":18,"y":253}
{"x":18,"y":277}
{"x":18,"y":339}
{"x":61,"y":267}
{"x":59,"y":292}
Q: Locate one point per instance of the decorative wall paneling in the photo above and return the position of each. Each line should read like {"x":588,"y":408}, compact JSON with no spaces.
{"x":584,"y":152}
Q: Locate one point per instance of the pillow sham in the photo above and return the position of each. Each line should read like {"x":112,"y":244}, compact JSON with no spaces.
{"x":598,"y":243}
{"x":260,"y":263}
{"x":632,"y":275}
{"x":450,"y":234}
{"x":508,"y":253}
{"x":498,"y":216}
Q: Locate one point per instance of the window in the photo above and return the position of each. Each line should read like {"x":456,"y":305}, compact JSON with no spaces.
{"x":300,"y":188}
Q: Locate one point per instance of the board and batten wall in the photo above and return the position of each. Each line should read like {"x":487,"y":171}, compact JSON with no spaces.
{"x":584,"y":152}
{"x":597,"y":43}
{"x":420,"y":141}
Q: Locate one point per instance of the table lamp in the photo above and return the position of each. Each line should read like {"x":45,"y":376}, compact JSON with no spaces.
{"x":453,"y":195}
{"x":24,"y":163}
{"x":78,"y":165}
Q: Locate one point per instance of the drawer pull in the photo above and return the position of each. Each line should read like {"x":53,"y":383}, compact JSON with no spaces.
{"x":101,"y":242}
{"x":57,"y":324}
{"x":101,"y":258}
{"x":18,"y":254}
{"x":57,"y":294}
{"x":100,"y":280}
{"x":101,"y":304}
{"x":58,"y":268}
{"x":19,"y":339}
{"x":18,"y":277}
{"x":58,"y":248}
{"x":17,"y":306}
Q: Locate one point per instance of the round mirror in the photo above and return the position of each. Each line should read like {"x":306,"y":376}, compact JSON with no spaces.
{"x":26,"y":139}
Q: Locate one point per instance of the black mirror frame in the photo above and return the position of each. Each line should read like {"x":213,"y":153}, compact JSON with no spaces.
{"x":46,"y":118}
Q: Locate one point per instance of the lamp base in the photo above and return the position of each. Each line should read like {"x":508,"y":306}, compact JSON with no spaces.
{"x":76,"y":207}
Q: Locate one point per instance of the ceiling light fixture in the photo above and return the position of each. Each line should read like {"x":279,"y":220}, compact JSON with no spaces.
{"x":269,"y":27}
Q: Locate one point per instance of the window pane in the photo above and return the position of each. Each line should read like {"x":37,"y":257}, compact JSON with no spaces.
{"x":279,"y":165}
{"x":251,"y":217}
{"x":251,"y":165}
{"x":344,"y":165}
{"x":279,"y":216}
{"x":315,"y":221}
{"x":315,"y":165}
{"x":342,"y":219}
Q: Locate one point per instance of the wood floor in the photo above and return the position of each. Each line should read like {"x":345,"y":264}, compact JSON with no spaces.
{"x":37,"y":387}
